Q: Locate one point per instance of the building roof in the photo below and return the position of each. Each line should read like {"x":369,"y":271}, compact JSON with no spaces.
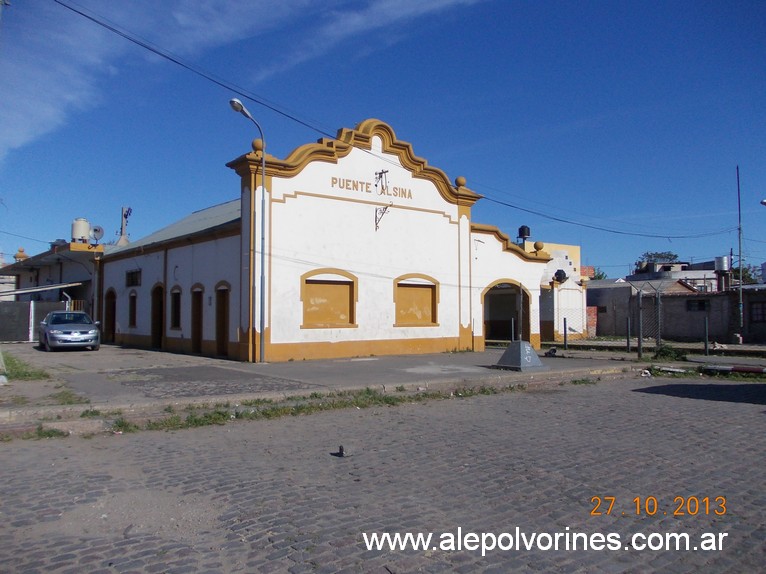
{"x":197,"y":222}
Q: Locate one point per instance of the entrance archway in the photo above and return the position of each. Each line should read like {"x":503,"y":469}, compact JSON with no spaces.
{"x":506,"y":312}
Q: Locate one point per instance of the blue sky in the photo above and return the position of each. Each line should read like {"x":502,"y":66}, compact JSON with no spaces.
{"x":618,"y":116}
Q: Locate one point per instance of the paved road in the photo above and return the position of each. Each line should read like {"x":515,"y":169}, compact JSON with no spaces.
{"x":269,"y":496}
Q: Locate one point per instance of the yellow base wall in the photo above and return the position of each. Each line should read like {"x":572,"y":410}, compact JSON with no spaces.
{"x":276,"y":353}
{"x":307,"y":351}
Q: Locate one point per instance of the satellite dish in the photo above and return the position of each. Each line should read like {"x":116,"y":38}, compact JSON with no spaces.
{"x":96,"y":232}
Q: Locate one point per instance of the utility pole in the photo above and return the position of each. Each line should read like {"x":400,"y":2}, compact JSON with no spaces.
{"x":739,"y":226}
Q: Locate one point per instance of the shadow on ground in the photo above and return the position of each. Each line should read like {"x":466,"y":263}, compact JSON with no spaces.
{"x":752,"y":393}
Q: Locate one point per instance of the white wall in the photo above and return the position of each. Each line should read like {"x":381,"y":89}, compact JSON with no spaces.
{"x":318,"y":224}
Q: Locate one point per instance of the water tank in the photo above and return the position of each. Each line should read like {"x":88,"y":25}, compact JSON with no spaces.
{"x":80,"y":230}
{"x":722,"y":263}
{"x":523,"y":232}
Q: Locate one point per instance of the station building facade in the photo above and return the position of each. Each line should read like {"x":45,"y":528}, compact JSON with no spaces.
{"x":354,"y":247}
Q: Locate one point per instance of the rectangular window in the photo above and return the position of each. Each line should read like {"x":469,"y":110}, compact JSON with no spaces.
{"x":697,"y":305}
{"x":415,"y":305}
{"x":132,"y":310}
{"x":328,"y":304}
{"x":175,"y":310}
{"x":758,"y":312}
{"x":133,"y":278}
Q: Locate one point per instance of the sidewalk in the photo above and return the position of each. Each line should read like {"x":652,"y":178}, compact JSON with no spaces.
{"x":142,"y":384}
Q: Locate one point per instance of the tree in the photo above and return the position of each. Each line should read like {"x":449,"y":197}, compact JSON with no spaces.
{"x":598,"y":274}
{"x":656,"y":257}
{"x":659,"y":257}
{"x":750,"y":274}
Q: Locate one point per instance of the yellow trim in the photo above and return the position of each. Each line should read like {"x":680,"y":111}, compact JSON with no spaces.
{"x":509,"y":245}
{"x":86,"y":247}
{"x":327,"y":350}
{"x":332,"y":150}
{"x":298,"y":194}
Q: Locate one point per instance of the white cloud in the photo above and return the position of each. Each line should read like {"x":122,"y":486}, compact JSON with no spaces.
{"x":52,"y":58}
{"x":339,"y":25}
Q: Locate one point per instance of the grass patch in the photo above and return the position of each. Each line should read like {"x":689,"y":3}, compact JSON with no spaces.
{"x":124,"y":426}
{"x":199,"y":415}
{"x":732,"y":376}
{"x":41,"y":433}
{"x":90,"y":413}
{"x":17,"y":370}
{"x":668,"y":353}
{"x":583,"y":381}
{"x":476,"y":391}
{"x":67,"y":397}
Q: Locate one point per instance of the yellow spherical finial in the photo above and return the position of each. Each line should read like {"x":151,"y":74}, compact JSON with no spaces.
{"x":258,"y":145}
{"x":539,"y":245}
{"x":460,"y":181}
{"x":20,"y":255}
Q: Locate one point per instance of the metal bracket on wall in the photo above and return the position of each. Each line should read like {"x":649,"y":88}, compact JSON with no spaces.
{"x":381,"y":177}
{"x":379,"y":213}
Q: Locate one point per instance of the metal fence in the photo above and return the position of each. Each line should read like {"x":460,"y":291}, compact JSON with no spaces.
{"x":19,"y":319}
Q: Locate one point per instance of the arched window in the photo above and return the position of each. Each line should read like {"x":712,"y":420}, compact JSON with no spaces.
{"x":132,"y":308}
{"x":416,"y":298}
{"x":175,"y":308}
{"x":329,"y":299}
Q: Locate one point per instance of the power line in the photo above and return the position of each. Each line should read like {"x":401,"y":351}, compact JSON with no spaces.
{"x":608,"y":230}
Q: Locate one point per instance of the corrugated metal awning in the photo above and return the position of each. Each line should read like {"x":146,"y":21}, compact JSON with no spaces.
{"x":38,"y":289}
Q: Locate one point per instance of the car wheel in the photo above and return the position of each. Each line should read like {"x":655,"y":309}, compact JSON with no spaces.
{"x":95,"y":347}
{"x":47,"y":345}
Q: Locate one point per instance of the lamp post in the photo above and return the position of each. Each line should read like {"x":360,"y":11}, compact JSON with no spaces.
{"x":237,"y":106}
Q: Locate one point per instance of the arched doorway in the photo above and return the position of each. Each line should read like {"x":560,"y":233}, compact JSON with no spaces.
{"x":222,"y":321}
{"x":158,"y":316}
{"x":109,"y":328}
{"x":506,"y":312}
{"x":197,"y":309}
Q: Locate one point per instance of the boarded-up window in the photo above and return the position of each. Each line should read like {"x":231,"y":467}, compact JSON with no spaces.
{"x":415,"y":304}
{"x":328,"y":303}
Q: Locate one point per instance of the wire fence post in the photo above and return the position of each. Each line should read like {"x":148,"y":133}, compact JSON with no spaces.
{"x":640,"y":327}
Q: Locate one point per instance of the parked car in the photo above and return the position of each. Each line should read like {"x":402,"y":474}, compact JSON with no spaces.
{"x":64,"y":329}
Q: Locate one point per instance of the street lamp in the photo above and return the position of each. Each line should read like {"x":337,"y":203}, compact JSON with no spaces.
{"x":237,"y":106}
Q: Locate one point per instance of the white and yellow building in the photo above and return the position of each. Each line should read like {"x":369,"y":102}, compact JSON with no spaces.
{"x":368,"y":250}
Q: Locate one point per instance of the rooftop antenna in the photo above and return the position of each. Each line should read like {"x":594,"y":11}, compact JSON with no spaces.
{"x":126,"y":213}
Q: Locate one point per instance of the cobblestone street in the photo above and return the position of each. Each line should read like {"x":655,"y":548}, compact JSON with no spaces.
{"x":269,"y":496}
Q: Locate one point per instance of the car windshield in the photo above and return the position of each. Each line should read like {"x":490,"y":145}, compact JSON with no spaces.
{"x":70,"y":319}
